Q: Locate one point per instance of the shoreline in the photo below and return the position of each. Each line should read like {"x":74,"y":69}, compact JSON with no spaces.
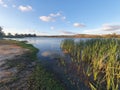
{"x":23,"y":70}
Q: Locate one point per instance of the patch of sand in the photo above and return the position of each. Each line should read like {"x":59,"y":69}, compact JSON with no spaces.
{"x":7,"y":52}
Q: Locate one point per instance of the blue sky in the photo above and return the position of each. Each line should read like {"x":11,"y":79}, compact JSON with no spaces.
{"x":60,"y":17}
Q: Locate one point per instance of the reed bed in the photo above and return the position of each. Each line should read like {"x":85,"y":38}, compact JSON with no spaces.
{"x":95,"y":62}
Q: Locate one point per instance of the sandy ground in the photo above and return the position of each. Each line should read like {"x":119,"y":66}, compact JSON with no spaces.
{"x":8,"y":52}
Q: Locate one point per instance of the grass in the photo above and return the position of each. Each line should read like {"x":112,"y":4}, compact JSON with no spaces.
{"x":42,"y":80}
{"x":97,"y":61}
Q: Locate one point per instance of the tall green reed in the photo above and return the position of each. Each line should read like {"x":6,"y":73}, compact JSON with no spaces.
{"x":98,"y":60}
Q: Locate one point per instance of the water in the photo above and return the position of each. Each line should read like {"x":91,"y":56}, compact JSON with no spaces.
{"x":49,"y":52}
{"x":48,"y":47}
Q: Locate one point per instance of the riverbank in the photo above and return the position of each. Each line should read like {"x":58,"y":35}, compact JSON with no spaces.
{"x":20,"y":70}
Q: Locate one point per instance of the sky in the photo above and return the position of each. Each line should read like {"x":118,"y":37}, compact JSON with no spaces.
{"x":60,"y":17}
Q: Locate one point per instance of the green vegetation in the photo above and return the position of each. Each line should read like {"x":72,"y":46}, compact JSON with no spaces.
{"x":10,"y":35}
{"x":33,"y":51}
{"x":95,"y":62}
{"x":42,"y":80}
{"x":1,"y":32}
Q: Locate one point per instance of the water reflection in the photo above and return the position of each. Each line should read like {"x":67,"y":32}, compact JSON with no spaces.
{"x":48,"y":47}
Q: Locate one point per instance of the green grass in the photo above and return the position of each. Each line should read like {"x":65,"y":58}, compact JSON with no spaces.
{"x":33,"y":51}
{"x":97,"y":61}
{"x":42,"y":80}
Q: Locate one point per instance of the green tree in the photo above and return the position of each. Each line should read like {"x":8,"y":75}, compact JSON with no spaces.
{"x":10,"y":35}
{"x":2,"y":34}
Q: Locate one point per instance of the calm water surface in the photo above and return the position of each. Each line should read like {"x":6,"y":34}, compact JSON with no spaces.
{"x":48,"y":47}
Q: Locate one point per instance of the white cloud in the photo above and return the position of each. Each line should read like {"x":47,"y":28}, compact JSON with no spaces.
{"x":5,"y":5}
{"x":55,"y":14}
{"x":47,"y":19}
{"x":63,"y":18}
{"x":52,"y":17}
{"x":109,"y":27}
{"x":78,"y":25}
{"x":99,"y":31}
{"x":25,"y":8}
{"x":2,"y":3}
{"x":104,"y":29}
{"x":52,"y":27}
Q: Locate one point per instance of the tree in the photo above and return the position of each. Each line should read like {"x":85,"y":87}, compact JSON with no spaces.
{"x":2,"y":34}
{"x":1,"y":28}
{"x":10,"y":35}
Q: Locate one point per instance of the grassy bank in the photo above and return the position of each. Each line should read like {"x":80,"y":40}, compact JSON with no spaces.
{"x":95,"y":62}
{"x":40,"y":79}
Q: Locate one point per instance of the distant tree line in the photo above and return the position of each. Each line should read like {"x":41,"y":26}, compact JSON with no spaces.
{"x":9,"y":35}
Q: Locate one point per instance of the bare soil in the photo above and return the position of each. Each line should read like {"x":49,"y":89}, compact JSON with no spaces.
{"x":15,"y":67}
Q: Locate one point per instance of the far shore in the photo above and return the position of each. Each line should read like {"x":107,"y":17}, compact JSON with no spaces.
{"x":71,"y":36}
